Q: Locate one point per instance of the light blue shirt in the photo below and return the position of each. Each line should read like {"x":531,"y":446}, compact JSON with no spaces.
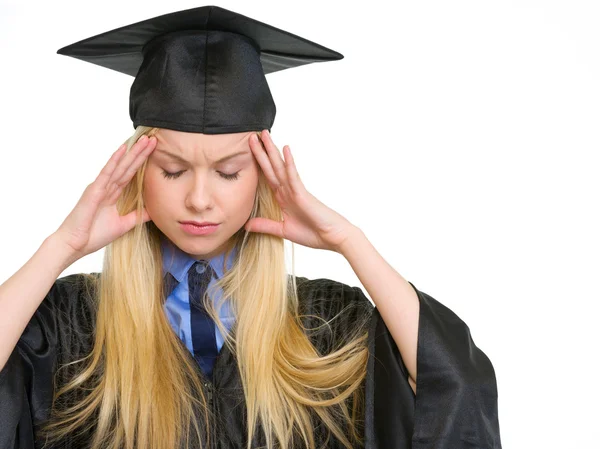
{"x":177,"y":305}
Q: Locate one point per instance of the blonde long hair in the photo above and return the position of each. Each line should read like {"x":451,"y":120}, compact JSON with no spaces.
{"x":139,"y":388}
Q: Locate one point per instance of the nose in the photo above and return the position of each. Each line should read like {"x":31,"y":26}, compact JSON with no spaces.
{"x":199,"y":196}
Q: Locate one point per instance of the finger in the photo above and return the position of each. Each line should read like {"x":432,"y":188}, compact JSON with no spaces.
{"x":126,"y":161}
{"x":266,"y":226}
{"x":275,"y":157}
{"x":128,"y":221}
{"x":292,"y":173}
{"x":136,"y":164}
{"x":106,"y":172}
{"x":113,"y":194}
{"x":263,"y":160}
{"x":119,"y":183}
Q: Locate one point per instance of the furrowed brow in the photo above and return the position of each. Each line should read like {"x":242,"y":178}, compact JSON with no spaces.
{"x":183,"y":161}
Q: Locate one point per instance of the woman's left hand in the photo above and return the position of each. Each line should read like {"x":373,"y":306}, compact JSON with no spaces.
{"x":306,"y":220}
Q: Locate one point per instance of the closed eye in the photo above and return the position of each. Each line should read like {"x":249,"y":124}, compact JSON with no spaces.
{"x":230,"y":177}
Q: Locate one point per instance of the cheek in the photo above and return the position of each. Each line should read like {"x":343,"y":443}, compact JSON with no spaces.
{"x":154,"y":192}
{"x":149,"y":189}
{"x":243,"y":199}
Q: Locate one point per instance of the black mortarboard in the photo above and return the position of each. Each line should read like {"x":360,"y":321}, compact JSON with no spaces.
{"x":200,"y":70}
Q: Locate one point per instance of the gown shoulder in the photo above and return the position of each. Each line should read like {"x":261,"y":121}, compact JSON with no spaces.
{"x":332,"y":312}
{"x":59,"y":331}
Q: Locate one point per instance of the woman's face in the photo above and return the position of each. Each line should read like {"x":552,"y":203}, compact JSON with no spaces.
{"x":197,"y":183}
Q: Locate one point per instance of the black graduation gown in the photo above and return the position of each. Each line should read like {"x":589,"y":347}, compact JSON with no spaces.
{"x":456,"y":405}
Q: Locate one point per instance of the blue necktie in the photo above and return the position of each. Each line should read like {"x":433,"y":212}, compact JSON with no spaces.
{"x":204,"y":341}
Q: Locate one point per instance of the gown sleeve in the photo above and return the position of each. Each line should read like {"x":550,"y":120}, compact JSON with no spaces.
{"x":26,"y":381}
{"x":456,"y":401}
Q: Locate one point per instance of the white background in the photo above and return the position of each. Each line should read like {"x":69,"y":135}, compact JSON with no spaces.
{"x":461,"y":137}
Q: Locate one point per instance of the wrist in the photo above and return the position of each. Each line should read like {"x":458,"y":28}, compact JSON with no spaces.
{"x":353,"y":234}
{"x":64,"y":254}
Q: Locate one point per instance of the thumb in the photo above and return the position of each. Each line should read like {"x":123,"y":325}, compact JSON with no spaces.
{"x":264,"y":225}
{"x":130,"y":220}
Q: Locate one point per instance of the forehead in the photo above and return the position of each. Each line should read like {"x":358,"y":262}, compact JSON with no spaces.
{"x":211,"y":143}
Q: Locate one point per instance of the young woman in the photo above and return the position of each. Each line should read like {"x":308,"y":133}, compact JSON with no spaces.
{"x":195,"y":336}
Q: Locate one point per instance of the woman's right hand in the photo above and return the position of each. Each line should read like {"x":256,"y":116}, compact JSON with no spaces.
{"x":95,"y":220}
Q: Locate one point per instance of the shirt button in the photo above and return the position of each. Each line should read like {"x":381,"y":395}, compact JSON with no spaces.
{"x":200,"y":268}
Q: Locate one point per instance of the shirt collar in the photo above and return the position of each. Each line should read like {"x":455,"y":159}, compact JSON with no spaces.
{"x":177,"y":262}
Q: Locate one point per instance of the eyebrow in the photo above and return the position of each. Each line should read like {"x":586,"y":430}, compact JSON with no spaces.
{"x":182,"y":160}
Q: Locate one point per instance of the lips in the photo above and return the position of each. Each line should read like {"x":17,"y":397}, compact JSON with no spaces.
{"x":196,"y":223}
{"x":192,"y":229}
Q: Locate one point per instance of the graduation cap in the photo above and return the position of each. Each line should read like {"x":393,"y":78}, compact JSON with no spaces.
{"x":200,"y":70}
